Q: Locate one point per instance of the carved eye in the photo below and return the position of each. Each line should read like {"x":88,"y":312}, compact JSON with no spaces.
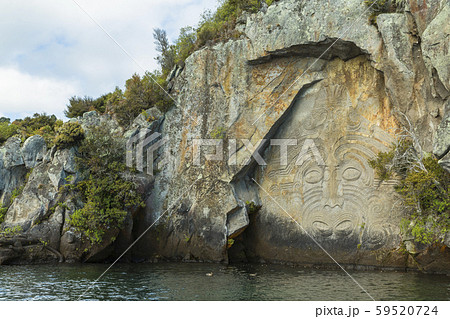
{"x":351,"y":174}
{"x":313,"y":176}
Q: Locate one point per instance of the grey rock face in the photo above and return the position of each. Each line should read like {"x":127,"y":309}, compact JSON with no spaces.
{"x":12,"y":155}
{"x":12,"y":169}
{"x":269,"y":83}
{"x":435,"y":46}
{"x":442,"y":139}
{"x":33,"y":151}
{"x":398,"y":66}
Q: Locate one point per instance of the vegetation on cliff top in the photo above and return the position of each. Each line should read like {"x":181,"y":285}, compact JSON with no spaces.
{"x":38,"y":124}
{"x":70,"y":134}
{"x":147,"y":91}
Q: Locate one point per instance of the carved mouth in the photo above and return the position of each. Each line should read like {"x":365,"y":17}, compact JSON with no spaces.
{"x":341,"y":224}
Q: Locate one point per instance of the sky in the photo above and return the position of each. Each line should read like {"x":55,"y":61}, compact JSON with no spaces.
{"x":51,"y":50}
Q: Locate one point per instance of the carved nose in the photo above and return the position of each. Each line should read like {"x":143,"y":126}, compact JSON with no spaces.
{"x":332,"y":196}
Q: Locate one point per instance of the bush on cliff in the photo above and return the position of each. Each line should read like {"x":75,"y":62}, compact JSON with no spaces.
{"x":6,"y":131}
{"x":79,"y":105}
{"x":70,"y":134}
{"x":108,"y":196}
{"x":38,"y":124}
{"x":141,"y":94}
{"x":424,"y":187}
{"x":220,"y":25}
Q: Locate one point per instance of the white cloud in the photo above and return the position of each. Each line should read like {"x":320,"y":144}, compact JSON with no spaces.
{"x":22,"y":94}
{"x":53,"y":41}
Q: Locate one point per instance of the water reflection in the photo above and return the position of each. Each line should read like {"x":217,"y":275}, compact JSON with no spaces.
{"x":172,"y":281}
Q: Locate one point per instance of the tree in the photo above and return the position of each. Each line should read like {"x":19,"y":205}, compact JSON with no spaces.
{"x":167,"y":52}
{"x":6,"y":131}
{"x":78,"y":106}
{"x":185,"y":44}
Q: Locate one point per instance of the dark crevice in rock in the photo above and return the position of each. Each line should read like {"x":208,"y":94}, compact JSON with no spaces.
{"x":327,"y":49}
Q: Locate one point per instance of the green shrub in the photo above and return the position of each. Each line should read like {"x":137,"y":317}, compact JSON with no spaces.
{"x":219,"y":26}
{"x":80,"y":105}
{"x":107,"y":201}
{"x":38,"y":124}
{"x":106,"y":193}
{"x":424,"y":189}
{"x":185,"y":44}
{"x":70,"y":134}
{"x":6,"y":131}
{"x":142,"y":93}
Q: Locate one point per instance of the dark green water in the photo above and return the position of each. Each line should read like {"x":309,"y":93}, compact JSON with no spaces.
{"x":176,"y":281}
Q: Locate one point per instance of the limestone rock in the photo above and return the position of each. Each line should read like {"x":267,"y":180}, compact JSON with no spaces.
{"x":33,"y":151}
{"x":12,"y":155}
{"x":435,"y":46}
{"x":442,"y":137}
{"x":398,"y":65}
{"x":12,"y":170}
{"x":237,"y":221}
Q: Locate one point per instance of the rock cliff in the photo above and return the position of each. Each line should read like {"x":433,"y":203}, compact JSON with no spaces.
{"x":317,"y":77}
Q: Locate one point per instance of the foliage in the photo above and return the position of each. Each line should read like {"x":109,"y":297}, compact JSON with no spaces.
{"x":70,"y":134}
{"x":220,"y":25}
{"x":423,"y":187}
{"x":11,"y":231}
{"x":396,"y":160}
{"x":6,"y":131}
{"x":100,"y":149}
{"x":106,"y":193}
{"x":80,"y":105}
{"x":383,"y":6}
{"x":141,"y":94}
{"x":38,"y":124}
{"x":185,"y":44}
{"x":167,"y":52}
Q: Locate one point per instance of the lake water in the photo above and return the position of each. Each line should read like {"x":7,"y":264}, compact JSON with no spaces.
{"x":177,"y":281}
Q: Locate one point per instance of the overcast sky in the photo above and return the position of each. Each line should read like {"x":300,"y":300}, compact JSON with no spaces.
{"x":51,"y":50}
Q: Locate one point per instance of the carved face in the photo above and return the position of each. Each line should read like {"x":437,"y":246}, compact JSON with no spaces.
{"x":335,"y":197}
